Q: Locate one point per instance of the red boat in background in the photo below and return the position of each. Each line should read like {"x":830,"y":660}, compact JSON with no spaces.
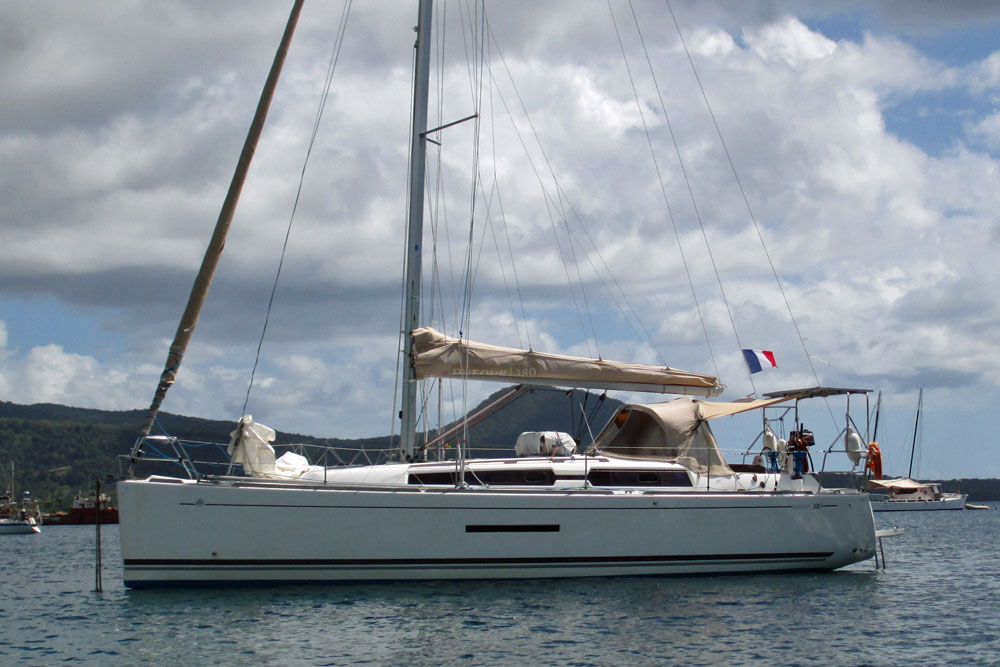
{"x":84,"y":511}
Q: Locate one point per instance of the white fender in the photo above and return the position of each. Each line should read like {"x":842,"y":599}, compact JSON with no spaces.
{"x":789,"y":460}
{"x":854,"y":446}
{"x":770,"y":439}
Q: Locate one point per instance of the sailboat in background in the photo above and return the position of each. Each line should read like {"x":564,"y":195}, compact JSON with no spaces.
{"x":651,"y":495}
{"x":905,"y":494}
{"x":18,"y":517}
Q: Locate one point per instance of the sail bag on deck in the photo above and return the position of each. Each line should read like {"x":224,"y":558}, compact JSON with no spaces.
{"x":250,"y":446}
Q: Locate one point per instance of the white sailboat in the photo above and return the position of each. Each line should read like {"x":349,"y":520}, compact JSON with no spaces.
{"x":908,"y":495}
{"x":652,"y":495}
{"x":18,"y":517}
{"x":904,"y":494}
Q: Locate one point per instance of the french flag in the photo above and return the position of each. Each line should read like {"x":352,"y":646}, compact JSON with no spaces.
{"x":758,"y":360}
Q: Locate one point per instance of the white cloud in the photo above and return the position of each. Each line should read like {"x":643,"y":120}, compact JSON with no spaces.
{"x":987,"y":130}
{"x":50,"y":374}
{"x":790,"y":42}
{"x":711,"y":43}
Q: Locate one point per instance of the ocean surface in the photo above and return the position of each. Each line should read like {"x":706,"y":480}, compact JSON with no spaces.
{"x":937,"y":602}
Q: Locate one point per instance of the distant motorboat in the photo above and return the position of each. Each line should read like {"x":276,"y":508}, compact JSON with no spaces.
{"x":907,"y":495}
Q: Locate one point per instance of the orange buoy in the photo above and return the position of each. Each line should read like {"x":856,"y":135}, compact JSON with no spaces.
{"x":874,"y":461}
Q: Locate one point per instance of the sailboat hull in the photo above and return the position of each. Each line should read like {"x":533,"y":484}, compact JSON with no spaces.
{"x":947,"y":502}
{"x":216,"y":533}
{"x":17,"y":527}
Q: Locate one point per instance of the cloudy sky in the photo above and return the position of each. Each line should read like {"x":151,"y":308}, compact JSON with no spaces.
{"x":865,"y":138}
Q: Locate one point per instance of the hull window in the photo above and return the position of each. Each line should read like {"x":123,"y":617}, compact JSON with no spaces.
{"x":487,"y":477}
{"x":639,"y":478}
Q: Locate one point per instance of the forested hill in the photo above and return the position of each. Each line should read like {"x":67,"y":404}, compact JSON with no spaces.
{"x":58,"y":450}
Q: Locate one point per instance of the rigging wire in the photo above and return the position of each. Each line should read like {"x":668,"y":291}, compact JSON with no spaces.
{"x":435,"y":204}
{"x":557,"y":203}
{"x":701,"y":224}
{"x":616,"y":292}
{"x":495,"y":187}
{"x":331,"y":68}
{"x":477,"y":31}
{"x":439,"y":217}
{"x":503,"y":271}
{"x":656,"y":165}
{"x":579,"y":278}
{"x":746,"y":202}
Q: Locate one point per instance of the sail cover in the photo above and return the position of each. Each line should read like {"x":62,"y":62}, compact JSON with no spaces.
{"x":250,"y":445}
{"x":437,"y":355}
{"x":903,"y":483}
{"x":677,"y":430}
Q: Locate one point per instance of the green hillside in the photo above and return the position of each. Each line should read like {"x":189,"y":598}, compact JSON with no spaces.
{"x":58,"y":450}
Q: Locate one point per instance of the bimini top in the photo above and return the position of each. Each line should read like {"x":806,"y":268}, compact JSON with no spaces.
{"x":815,"y":392}
{"x":677,"y":431}
{"x":437,"y":355}
{"x":898,"y":483}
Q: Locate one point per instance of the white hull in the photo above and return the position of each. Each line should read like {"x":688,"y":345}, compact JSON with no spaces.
{"x":187,"y":533}
{"x":950,"y":502}
{"x":17,"y":527}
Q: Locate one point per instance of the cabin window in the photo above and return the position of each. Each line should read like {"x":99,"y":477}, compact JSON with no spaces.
{"x":508,"y":477}
{"x":638,"y":478}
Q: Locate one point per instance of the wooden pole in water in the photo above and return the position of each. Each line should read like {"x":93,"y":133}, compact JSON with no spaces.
{"x":97,"y":523}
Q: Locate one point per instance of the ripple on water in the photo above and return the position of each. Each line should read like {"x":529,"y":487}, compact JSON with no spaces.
{"x":935,"y":603}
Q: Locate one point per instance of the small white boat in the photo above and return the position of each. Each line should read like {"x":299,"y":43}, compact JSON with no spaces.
{"x":907,"y":495}
{"x":18,"y":526}
{"x":16,"y":517}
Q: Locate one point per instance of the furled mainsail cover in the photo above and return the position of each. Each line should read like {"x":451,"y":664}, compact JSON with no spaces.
{"x":437,"y":355}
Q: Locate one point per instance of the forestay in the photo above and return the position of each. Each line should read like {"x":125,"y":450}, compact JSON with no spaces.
{"x":437,"y":355}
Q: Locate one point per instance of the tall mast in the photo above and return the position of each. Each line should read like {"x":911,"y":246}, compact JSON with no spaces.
{"x":916,"y":423}
{"x":878,"y":411}
{"x":415,"y":226}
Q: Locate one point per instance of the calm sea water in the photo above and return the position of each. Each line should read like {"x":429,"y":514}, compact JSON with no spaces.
{"x":938,"y":602}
